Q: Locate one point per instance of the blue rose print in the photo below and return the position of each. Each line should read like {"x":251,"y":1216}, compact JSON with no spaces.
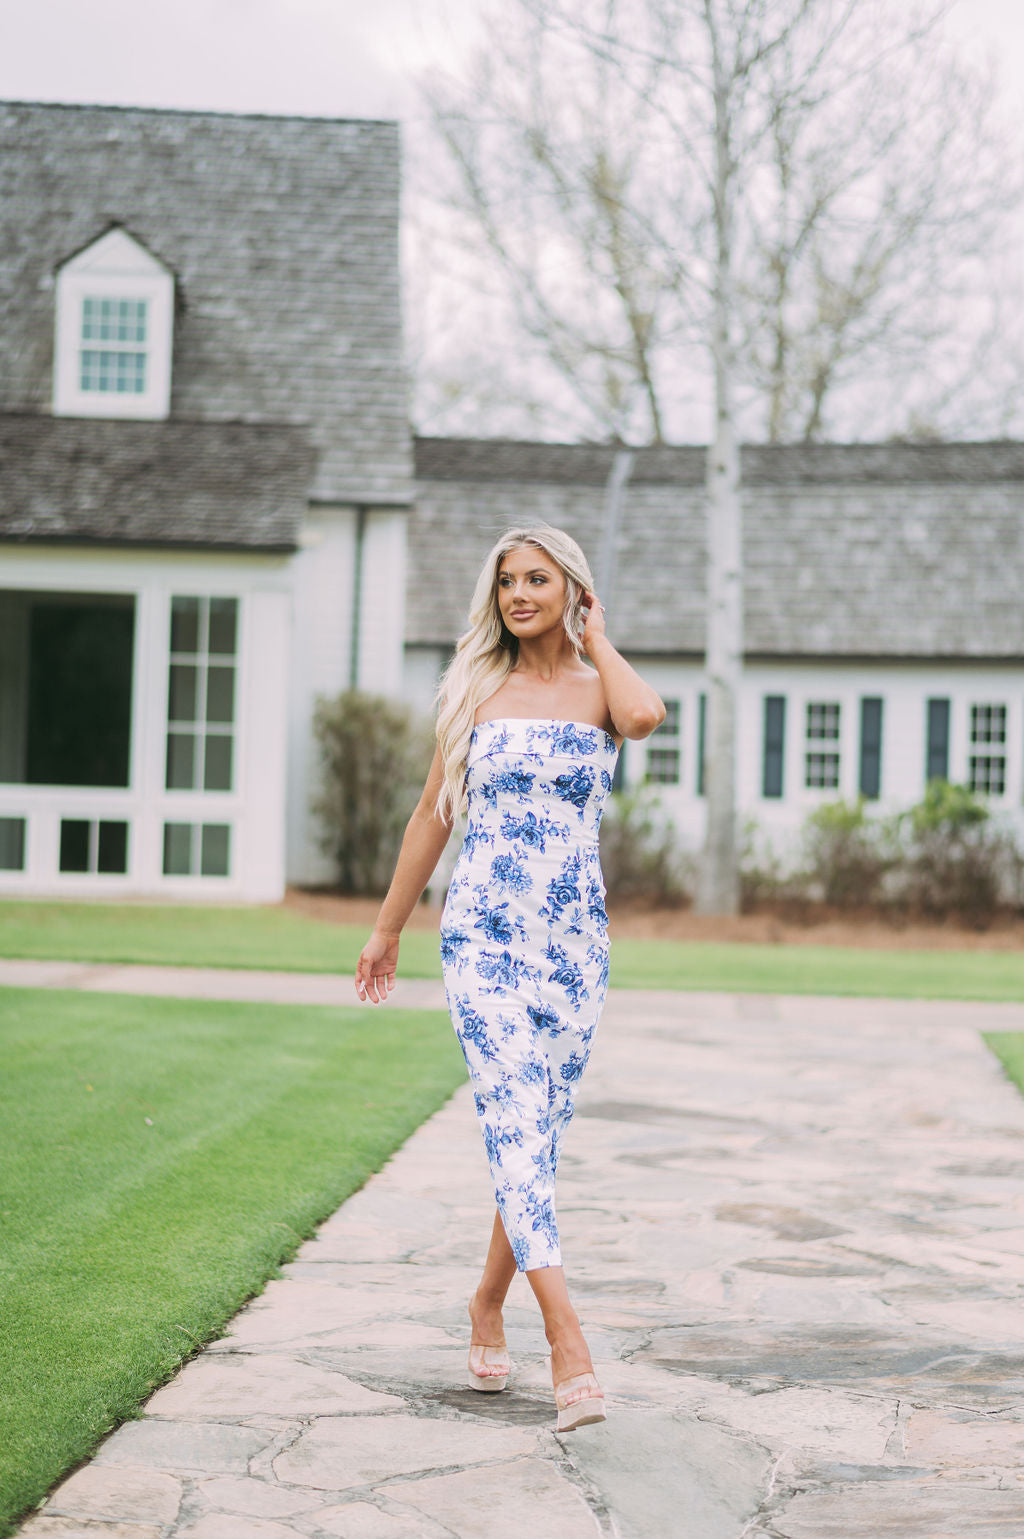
{"x":575,"y":786}
{"x":509,"y":875}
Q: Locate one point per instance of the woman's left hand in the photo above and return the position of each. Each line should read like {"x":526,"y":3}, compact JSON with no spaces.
{"x":593,"y":609}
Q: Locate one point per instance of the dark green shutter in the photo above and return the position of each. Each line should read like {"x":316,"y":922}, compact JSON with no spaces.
{"x":774,"y":745}
{"x":870,"y":747}
{"x":937,"y":757}
{"x":702,"y":712}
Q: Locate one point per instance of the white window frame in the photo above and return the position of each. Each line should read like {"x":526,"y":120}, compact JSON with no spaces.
{"x":113,"y":267}
{"x":666,"y":739}
{"x":199,"y":728}
{"x":984,"y":749}
{"x":823,"y":746}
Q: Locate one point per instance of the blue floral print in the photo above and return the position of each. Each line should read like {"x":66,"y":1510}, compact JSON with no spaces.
{"x":503,"y":971}
{"x":575,"y":786}
{"x":525,"y":955}
{"x":453,"y":946}
{"x":545,"y":1019}
{"x":531,"y":831}
{"x":496,"y":924}
{"x":512,"y":782}
{"x":473,"y":1030}
{"x":567,"y":974}
{"x":563,"y":889}
{"x":509,"y":875}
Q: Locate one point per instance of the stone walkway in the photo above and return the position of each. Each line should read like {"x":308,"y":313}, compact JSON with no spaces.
{"x":795,"y":1233}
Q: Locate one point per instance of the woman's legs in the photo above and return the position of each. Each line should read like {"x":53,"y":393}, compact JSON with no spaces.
{"x":569,"y":1352}
{"x":486,"y":1304}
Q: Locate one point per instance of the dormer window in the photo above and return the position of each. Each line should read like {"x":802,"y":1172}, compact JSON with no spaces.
{"x":113,"y":352}
{"x":115,"y":310}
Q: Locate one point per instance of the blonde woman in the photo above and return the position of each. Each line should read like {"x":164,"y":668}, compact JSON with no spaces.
{"x":532,"y":713}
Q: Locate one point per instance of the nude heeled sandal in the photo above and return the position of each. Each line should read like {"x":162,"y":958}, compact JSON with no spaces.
{"x":488,"y":1382}
{"x":580,"y":1401}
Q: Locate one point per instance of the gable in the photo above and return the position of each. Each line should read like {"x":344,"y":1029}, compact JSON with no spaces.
{"x":115,"y":253}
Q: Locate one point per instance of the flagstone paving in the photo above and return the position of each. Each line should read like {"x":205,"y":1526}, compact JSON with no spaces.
{"x":795,"y":1233}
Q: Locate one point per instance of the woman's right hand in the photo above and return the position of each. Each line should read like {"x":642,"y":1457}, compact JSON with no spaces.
{"x":376,"y":968}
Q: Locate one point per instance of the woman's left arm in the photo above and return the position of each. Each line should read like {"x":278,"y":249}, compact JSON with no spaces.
{"x":634,"y":707}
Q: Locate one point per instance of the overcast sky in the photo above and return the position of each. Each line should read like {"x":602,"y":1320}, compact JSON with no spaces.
{"x":335,"y":58}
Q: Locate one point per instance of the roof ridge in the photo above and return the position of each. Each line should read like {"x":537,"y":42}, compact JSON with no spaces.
{"x":195,"y":112}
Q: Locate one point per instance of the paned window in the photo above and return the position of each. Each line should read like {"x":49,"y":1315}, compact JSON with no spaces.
{"x":94,"y":846}
{"x":12,"y":844}
{"x":823,"y":719}
{"x":197,"y":849}
{"x":988,"y":724}
{"x":821,"y":764}
{"x":987,"y":774}
{"x":113,"y":353}
{"x":664,"y":755}
{"x":113,"y":338}
{"x":201,"y":694}
{"x":986,"y":771}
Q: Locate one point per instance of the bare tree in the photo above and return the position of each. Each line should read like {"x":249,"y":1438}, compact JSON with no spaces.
{"x":762,"y":204}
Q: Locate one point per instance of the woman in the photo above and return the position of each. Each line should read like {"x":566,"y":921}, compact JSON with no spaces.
{"x":531,"y":732}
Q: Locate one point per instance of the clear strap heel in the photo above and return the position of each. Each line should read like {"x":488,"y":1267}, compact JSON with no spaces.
{"x":483,"y":1358}
{"x":580,"y":1401}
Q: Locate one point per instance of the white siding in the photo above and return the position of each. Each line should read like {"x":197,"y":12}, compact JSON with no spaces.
{"x":382,"y":603}
{"x":904,"y":689}
{"x":420,"y":674}
{"x":323,"y":594}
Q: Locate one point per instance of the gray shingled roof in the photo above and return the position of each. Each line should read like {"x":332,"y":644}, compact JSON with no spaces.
{"x":875,"y":550}
{"x":283,"y":236}
{"x":230,"y":485}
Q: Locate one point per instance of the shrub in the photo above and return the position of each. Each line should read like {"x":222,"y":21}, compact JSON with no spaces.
{"x":640,"y":853}
{"x":762,"y":878}
{"x":374,"y":757}
{"x":956,"y":860}
{"x":847,"y":855}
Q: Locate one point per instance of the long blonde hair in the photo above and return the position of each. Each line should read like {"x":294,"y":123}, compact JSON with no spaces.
{"x":487,"y":653}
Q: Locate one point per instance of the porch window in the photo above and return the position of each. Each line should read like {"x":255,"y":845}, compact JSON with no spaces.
{"x":12,"y":844}
{"x":66,"y":688}
{"x":986,"y":763}
{"x":201,"y":694}
{"x":664,"y":754}
{"x":97,"y":846}
{"x":197,"y":849}
{"x":821,"y":761}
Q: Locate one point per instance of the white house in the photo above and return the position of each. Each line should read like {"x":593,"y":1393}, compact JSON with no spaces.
{"x":212,"y":509}
{"x":205,"y":477}
{"x":883,"y":613}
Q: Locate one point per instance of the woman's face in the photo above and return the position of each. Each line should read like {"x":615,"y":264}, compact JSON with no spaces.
{"x":531,"y":592}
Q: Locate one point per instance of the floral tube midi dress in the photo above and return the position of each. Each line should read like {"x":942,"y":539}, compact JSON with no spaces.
{"x":524,"y":947}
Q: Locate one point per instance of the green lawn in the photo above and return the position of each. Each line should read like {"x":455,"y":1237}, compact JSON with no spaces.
{"x":282,"y":939}
{"x":748,"y":969}
{"x":202,"y":936}
{"x":159,"y":1159}
{"x":1008,"y":1047}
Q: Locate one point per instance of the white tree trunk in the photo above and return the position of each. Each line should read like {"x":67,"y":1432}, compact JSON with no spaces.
{"x":719,"y":883}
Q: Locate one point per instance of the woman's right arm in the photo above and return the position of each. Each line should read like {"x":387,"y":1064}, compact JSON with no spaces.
{"x":425,"y":838}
